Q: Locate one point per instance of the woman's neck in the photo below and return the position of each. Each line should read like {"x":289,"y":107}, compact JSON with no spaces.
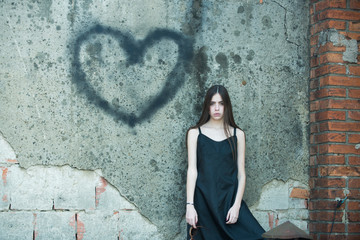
{"x":215,"y":123}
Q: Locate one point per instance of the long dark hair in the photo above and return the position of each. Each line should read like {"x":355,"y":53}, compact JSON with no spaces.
{"x":228,"y":114}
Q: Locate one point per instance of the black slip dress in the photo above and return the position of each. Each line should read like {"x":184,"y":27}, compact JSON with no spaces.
{"x":215,"y":192}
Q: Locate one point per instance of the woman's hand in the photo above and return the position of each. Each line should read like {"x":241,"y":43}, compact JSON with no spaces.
{"x":232,"y":215}
{"x":191,"y":215}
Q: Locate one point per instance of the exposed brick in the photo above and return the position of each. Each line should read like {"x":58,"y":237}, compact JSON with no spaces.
{"x":314,"y":84}
{"x":330,"y":137}
{"x":314,"y":41}
{"x":312,"y":137}
{"x":354,"y":115}
{"x":314,"y":62}
{"x":331,"y":159}
{"x":353,"y":205}
{"x":340,"y":126}
{"x":354,"y":93}
{"x":339,"y":81}
{"x":354,"y":183}
{"x":339,"y":104}
{"x":354,"y":70}
{"x":326,"y":216}
{"x":325,"y":236}
{"x":311,"y":10}
{"x":354,"y":26}
{"x":327,"y":24}
{"x":353,"y":160}
{"x":330,"y":182}
{"x":353,"y":216}
{"x":352,"y":237}
{"x":329,"y":47}
{"x":326,"y":227}
{"x":351,"y":35}
{"x":329,"y":4}
{"x":354,"y":194}
{"x":329,"y":115}
{"x":314,"y":128}
{"x":312,"y":161}
{"x":354,"y":228}
{"x":340,"y":171}
{"x":324,"y":205}
{"x":313,"y":172}
{"x":354,"y":4}
{"x":354,"y":138}
{"x":331,"y":58}
{"x":314,"y":106}
{"x":338,"y":148}
{"x":299,"y":193}
{"x":337,"y":14}
{"x":327,"y":69}
{"x":314,"y":150}
{"x":328,"y":92}
{"x":326,"y":193}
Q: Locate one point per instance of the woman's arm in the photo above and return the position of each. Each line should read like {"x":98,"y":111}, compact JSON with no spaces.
{"x":233,"y":213}
{"x":191,"y":215}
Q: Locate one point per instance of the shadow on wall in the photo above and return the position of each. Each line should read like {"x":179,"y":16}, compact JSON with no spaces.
{"x":135,"y":52}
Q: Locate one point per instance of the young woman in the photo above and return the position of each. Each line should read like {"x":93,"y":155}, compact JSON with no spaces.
{"x":216,"y":174}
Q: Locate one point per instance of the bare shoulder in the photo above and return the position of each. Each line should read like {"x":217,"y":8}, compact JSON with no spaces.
{"x":240,"y":134}
{"x":193,"y":133}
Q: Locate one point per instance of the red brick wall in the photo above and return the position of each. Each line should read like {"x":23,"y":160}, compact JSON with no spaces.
{"x":334,"y":118}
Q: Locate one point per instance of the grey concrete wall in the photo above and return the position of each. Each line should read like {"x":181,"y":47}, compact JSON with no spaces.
{"x":113,"y":85}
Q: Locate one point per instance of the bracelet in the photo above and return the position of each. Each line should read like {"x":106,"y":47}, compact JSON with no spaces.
{"x":190,"y":203}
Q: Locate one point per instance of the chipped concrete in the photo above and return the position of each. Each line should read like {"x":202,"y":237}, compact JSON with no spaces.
{"x":62,"y":201}
{"x":81,"y":87}
{"x":276,"y":205}
{"x":333,"y":36}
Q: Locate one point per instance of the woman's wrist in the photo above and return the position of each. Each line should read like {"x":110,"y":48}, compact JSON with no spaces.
{"x":189,"y":203}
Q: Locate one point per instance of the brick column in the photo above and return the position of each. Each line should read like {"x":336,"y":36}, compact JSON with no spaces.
{"x":334,"y":118}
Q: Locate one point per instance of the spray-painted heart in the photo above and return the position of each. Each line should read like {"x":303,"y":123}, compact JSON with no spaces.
{"x":134,"y":51}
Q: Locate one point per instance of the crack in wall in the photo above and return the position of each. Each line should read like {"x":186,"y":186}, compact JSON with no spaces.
{"x":285,"y":25}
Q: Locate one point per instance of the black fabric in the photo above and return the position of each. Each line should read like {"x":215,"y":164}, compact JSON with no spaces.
{"x":215,"y":192}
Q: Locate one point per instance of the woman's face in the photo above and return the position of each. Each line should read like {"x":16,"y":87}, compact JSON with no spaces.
{"x":216,"y":107}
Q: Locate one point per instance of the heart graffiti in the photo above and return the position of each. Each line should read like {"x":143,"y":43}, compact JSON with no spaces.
{"x":134,"y":51}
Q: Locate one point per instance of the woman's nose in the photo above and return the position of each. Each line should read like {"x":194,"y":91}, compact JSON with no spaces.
{"x":216,"y":106}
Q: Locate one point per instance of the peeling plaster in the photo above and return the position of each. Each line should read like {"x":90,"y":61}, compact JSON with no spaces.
{"x":333,"y":36}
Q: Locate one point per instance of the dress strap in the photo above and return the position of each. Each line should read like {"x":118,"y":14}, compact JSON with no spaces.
{"x":199,"y":130}
{"x":234,"y":132}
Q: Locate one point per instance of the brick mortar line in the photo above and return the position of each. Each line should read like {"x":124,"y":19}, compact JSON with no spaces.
{"x":333,"y":87}
{"x":334,"y":75}
{"x":351,"y":64}
{"x":337,"y":165}
{"x":335,"y":121}
{"x":320,"y":133}
{"x":337,"y":143}
{"x":336,"y":98}
{"x":332,"y":8}
{"x":329,"y":19}
{"x":323,"y":53}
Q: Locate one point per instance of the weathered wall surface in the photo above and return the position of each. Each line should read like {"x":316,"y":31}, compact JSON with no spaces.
{"x":113,"y":85}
